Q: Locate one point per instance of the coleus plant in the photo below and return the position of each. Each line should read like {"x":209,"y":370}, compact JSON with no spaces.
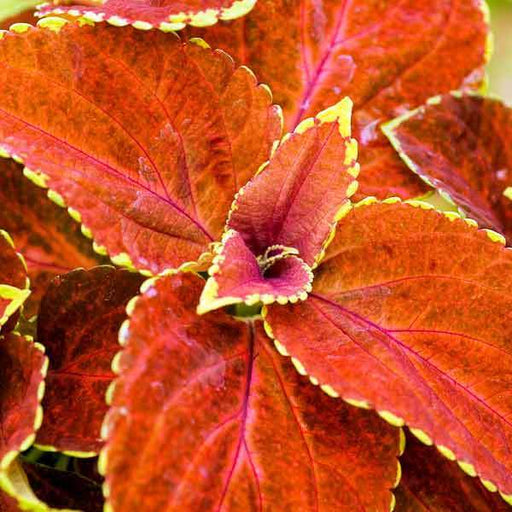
{"x":171,"y":157}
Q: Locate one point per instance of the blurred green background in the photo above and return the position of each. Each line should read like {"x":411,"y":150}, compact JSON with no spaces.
{"x":500,"y":69}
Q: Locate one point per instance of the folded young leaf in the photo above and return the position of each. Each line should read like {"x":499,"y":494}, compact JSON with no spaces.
{"x":238,"y":276}
{"x":14,"y":283}
{"x":462,"y":144}
{"x":431,"y":482}
{"x":220,"y":421}
{"x":78,"y":322}
{"x":167,"y":15}
{"x":410,"y":314}
{"x":23,"y":365}
{"x":141,"y":147}
{"x":48,"y":238}
{"x":296,"y":200}
{"x":380,"y":53}
{"x":64,"y":489}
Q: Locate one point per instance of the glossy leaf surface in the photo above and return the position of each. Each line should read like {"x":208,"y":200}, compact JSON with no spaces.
{"x":64,"y":489}
{"x":78,"y":322}
{"x":238,"y":276}
{"x":23,"y":366}
{"x":167,"y":15}
{"x":431,"y":482}
{"x":462,"y":144}
{"x":163,"y":134}
{"x":48,"y":238}
{"x":295,"y":200}
{"x":379,"y":53}
{"x":404,"y":320}
{"x":221,"y":422}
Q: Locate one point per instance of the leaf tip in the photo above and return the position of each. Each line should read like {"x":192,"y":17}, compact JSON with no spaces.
{"x":340,"y":112}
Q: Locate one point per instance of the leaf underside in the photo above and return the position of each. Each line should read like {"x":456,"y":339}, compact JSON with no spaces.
{"x":162,"y":133}
{"x":379,"y":53}
{"x":400,"y":323}
{"x":220,"y":421}
{"x":78,"y":322}
{"x":462,"y":144}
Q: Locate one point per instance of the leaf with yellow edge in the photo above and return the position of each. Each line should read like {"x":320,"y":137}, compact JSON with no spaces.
{"x":14,"y":283}
{"x":431,"y":482}
{"x":462,"y":145}
{"x":410,"y":313}
{"x":386,"y":55}
{"x":220,"y":421}
{"x":167,"y":15}
{"x":23,"y":365}
{"x":161,"y":136}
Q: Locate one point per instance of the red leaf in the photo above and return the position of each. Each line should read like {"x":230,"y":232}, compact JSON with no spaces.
{"x":168,"y":15}
{"x":380,"y":53}
{"x":238,"y":276}
{"x":146,"y":156}
{"x":78,"y":323}
{"x":462,"y":144}
{"x":296,"y":200}
{"x":23,"y":368}
{"x":410,"y":314}
{"x":430,"y":482}
{"x":14,"y":283}
{"x":64,"y":489}
{"x":49,"y":240}
{"x":219,"y":421}
{"x":8,"y":504}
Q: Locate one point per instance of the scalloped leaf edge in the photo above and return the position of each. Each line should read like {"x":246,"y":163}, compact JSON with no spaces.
{"x":210,"y":300}
{"x":174,"y":22}
{"x":389,"y":128}
{"x":388,"y":416}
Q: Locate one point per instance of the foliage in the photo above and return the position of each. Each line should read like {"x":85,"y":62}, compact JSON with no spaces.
{"x":269,"y":329}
